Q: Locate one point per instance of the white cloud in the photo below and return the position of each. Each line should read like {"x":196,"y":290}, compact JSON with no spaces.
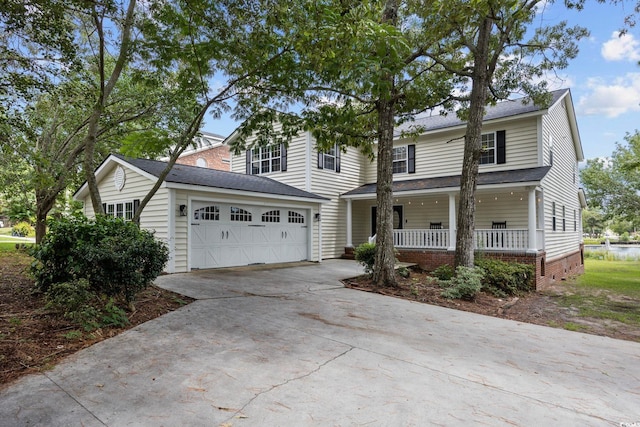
{"x":621,"y":48}
{"x":611,"y":99}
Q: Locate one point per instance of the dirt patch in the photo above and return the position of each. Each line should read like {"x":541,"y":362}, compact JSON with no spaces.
{"x":554,"y":307}
{"x":33,"y":339}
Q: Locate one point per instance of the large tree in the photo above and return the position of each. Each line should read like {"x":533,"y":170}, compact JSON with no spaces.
{"x":614,"y":184}
{"x":490,"y":46}
{"x":349,"y":72}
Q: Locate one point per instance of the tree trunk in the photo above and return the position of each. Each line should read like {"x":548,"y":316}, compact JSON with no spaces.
{"x":44,"y":203}
{"x":384,"y":264}
{"x":464,"y":255}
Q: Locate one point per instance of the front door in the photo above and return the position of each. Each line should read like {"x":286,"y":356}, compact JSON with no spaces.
{"x":398,"y":220}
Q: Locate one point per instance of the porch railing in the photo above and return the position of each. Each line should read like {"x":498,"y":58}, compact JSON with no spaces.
{"x":419,"y":238}
{"x":489,"y":239}
{"x":502,"y":239}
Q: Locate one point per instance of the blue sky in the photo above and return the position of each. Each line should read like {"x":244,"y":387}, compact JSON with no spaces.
{"x":604,"y":79}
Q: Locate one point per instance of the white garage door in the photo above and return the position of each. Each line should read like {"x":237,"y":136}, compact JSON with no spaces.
{"x":226,"y":235}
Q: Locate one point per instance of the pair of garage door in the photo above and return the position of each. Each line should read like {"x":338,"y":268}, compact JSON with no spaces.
{"x":227,"y":235}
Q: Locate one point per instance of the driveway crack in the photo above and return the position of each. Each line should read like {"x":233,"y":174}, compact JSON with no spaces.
{"x":239,"y":412}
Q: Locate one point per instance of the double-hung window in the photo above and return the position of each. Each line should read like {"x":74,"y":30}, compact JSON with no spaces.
{"x":400,"y":159}
{"x":330,"y":159}
{"x":261,"y":160}
{"x":488,"y":154}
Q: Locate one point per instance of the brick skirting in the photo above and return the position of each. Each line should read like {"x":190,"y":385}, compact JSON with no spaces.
{"x":547,"y":271}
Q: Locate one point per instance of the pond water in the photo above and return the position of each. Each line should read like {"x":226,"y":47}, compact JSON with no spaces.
{"x":623,"y":250}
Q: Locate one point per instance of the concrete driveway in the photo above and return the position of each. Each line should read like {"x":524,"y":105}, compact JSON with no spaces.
{"x":292,"y":347}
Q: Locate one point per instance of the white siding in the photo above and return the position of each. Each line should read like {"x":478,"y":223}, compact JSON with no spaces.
{"x":440,"y":153}
{"x":560,"y":185}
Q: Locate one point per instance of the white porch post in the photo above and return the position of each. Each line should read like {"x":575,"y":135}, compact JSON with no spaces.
{"x":349,"y":226}
{"x":533,"y":246}
{"x":452,"y":222}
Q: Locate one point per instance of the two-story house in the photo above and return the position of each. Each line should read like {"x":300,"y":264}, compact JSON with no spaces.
{"x":281,"y":204}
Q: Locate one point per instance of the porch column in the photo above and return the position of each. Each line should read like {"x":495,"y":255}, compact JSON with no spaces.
{"x":452,"y":222}
{"x":349,"y":215}
{"x":533,"y":246}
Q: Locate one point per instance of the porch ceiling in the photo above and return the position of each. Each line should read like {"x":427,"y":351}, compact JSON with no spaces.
{"x":517,"y":176}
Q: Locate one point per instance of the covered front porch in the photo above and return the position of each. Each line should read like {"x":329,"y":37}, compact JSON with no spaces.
{"x":509,"y":216}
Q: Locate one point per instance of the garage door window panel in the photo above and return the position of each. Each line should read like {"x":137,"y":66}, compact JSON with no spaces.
{"x":295,"y":218}
{"x":207,"y":213}
{"x":240,"y":215}
{"x":271,"y":216}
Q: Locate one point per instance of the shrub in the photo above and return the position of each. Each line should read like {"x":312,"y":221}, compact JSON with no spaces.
{"x":22,"y":229}
{"x":116,"y":257}
{"x":506,"y":278}
{"x":365,"y":254}
{"x":624,"y":237}
{"x":403,"y":272}
{"x":444,"y":272}
{"x":466,"y":283}
{"x":77,"y":302}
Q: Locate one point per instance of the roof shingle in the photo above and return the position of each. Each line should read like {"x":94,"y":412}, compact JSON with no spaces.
{"x":193,"y":175}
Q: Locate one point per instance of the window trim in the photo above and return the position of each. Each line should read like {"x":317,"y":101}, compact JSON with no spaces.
{"x":405,"y":160}
{"x":253,"y":158}
{"x":125,"y":209}
{"x":323,"y":156}
{"x":493,"y":148}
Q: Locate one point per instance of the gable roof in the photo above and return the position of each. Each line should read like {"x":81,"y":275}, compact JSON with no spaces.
{"x":198,"y":178}
{"x":501,"y":110}
{"x":518,"y":176}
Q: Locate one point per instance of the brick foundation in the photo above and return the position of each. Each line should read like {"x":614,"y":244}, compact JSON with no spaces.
{"x":547,"y":272}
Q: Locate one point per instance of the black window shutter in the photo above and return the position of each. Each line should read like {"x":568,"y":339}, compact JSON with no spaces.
{"x":337,"y":158}
{"x":320,"y":158}
{"x":104,"y":208}
{"x":136,"y":205}
{"x":283,"y":161}
{"x":248,"y":162}
{"x":411,"y":158}
{"x":501,"y":147}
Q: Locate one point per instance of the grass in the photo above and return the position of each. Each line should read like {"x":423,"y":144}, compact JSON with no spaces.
{"x":618,"y":276}
{"x":609,"y":289}
{"x":10,"y":246}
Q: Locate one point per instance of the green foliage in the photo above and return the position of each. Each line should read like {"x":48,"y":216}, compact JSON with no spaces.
{"x":614,"y":184}
{"x":365,"y":254}
{"x":444,"y":272}
{"x":116,"y":257}
{"x":76,"y":301}
{"x":22,"y":229}
{"x":466,"y":283}
{"x":506,"y":278}
{"x":403,"y":272}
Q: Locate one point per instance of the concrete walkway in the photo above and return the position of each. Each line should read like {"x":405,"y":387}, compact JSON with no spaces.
{"x":292,"y":347}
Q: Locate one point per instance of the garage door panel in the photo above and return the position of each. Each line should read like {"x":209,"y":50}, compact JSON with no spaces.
{"x":224,"y":235}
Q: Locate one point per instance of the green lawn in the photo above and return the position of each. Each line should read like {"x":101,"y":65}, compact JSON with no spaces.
{"x":617,"y":276}
{"x":9,"y":246}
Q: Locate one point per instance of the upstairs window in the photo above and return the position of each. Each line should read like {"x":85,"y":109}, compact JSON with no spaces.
{"x":488,"y":155}
{"x":400,"y":159}
{"x":330,"y":160}
{"x":261,"y":160}
{"x":404,"y":159}
{"x":493,"y":148}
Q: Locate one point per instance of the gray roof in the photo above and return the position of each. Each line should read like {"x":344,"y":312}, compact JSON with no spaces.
{"x":194,"y":175}
{"x":498,"y":111}
{"x":487,"y":178}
